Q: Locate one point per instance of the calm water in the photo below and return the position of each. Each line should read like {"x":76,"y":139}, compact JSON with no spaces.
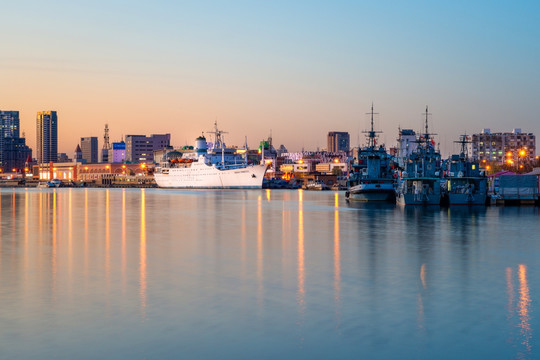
{"x":160,"y":274}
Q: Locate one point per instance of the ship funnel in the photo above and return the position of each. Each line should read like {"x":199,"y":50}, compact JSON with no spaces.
{"x":200,"y":145}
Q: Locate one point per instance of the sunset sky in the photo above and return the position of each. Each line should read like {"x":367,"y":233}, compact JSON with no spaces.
{"x":297,"y":68}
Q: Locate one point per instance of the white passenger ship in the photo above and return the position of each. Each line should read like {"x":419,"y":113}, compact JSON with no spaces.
{"x":204,"y":172}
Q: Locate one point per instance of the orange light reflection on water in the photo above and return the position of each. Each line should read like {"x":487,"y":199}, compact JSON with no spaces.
{"x":107,"y":237}
{"x":337,"y":251}
{"x":301,"y":265}
{"x":124,"y":239}
{"x":142,"y":275}
{"x":260,"y":251}
{"x":524,"y":308}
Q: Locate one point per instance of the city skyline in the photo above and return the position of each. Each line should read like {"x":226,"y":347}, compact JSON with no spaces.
{"x":296,"y":70}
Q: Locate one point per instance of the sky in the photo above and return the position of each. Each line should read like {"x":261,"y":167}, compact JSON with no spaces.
{"x":295,"y":69}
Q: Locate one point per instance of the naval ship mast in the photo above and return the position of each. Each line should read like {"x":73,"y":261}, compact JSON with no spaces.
{"x":371,"y":134}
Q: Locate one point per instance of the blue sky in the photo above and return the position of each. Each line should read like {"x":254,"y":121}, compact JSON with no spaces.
{"x":299,"y":68}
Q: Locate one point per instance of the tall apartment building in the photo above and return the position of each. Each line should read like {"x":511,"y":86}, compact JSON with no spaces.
{"x":47,"y":137}
{"x":13,"y":149}
{"x":89,"y":149}
{"x":495,"y":147}
{"x":338,"y":141}
{"x":140,"y":148}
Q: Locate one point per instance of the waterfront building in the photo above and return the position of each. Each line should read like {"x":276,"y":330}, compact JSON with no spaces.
{"x":140,"y":148}
{"x":13,"y":149}
{"x":47,"y":137}
{"x":89,"y":147}
{"x":338,"y":141}
{"x":502,"y":147}
{"x":77,"y":171}
{"x":117,"y":152}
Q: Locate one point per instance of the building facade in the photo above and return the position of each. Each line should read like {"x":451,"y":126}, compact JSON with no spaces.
{"x":89,"y":149}
{"x":13,"y":149}
{"x":140,"y":148}
{"x":501,"y":147}
{"x":117,"y":153}
{"x":338,"y":141}
{"x":46,"y":137}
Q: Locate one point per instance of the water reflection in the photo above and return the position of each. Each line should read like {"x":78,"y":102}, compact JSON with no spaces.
{"x":301,"y":265}
{"x":370,"y":277}
{"x":142,"y":263}
{"x":337,"y":261}
{"x":107,"y":236}
{"x":124,"y":262}
{"x":524,"y":313}
{"x":523,"y":307}
{"x":337,"y":251}
{"x":260,"y":252}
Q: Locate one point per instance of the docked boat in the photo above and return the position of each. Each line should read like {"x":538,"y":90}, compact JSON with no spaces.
{"x":420,"y":181}
{"x":465,"y":184}
{"x":55,"y":183}
{"x":371,"y":178}
{"x":317,"y":185}
{"x":202,"y":170}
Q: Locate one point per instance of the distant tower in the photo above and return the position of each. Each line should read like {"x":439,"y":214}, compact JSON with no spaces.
{"x":78,"y":154}
{"x":106,"y":145}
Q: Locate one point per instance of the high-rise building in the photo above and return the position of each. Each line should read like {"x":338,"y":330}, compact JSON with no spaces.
{"x":501,"y":147}
{"x":9,"y":124}
{"x":89,"y":148}
{"x":140,"y":148}
{"x":338,"y":141}
{"x":47,"y":137}
{"x":13,"y":149}
{"x":117,"y":154}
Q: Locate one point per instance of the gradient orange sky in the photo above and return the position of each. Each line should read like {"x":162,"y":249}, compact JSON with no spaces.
{"x":299,"y":68}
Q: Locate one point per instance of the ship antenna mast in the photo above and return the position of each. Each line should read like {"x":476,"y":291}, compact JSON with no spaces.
{"x":427,"y":134}
{"x":463,"y":141}
{"x":372,"y":134}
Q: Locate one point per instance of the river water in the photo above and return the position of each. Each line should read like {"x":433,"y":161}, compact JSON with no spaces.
{"x":260,"y":274}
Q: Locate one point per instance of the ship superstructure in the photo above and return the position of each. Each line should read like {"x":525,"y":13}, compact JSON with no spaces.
{"x":371,"y":178}
{"x":420,"y":181}
{"x":465,"y":184}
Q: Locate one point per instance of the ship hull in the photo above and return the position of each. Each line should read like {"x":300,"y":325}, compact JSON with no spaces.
{"x":419,"y":199}
{"x":419,"y":191}
{"x":366,"y":193}
{"x":202,"y":176}
{"x":466,"y":199}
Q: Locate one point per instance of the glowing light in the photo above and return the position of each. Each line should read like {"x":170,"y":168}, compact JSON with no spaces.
{"x":86,"y":168}
{"x":488,"y":167}
{"x":143,"y":165}
{"x":522,"y":153}
{"x":336,"y":160}
{"x":524,"y":307}
{"x":300,"y":161}
{"x":123,"y":166}
{"x":25,"y":169}
{"x":13,"y":170}
{"x":268,"y":162}
{"x":509,"y":153}
{"x":107,"y":167}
